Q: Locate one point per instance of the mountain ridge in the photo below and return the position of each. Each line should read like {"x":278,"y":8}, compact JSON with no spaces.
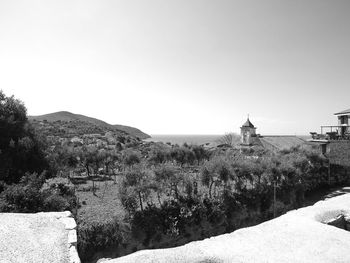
{"x":69,"y":116}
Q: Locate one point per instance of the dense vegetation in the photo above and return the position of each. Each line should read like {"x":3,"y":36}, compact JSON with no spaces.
{"x":26,"y":183}
{"x":171,"y":200}
{"x":128,"y":195}
{"x":20,"y":148}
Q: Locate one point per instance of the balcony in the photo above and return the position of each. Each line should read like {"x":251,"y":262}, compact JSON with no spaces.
{"x":332,"y":132}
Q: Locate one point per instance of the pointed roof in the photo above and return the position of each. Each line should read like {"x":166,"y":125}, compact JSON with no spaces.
{"x":343,"y":112}
{"x":248,"y":124}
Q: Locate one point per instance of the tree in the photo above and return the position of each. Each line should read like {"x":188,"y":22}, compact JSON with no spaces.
{"x":200,"y":153}
{"x":140,"y":182}
{"x":63,"y":158}
{"x":182,"y":155}
{"x":167,"y":181}
{"x":108,"y":158}
{"x":158,"y":155}
{"x":87,"y":157}
{"x":131,"y":157}
{"x":207,"y":179}
{"x":215,"y":172}
{"x":21,"y":150}
{"x":230,"y":139}
{"x":13,"y":119}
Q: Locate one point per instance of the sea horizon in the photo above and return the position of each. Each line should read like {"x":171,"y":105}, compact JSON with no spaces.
{"x":184,"y":138}
{"x":199,"y":139}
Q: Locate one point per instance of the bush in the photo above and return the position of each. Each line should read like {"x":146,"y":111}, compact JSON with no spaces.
{"x":58,"y":194}
{"x":158,"y":155}
{"x":131,"y":157}
{"x":19,"y":198}
{"x":3,"y":186}
{"x":25,"y":196}
{"x":34,"y":194}
{"x":128,"y":198}
{"x":56,"y":203}
{"x":98,"y":236}
{"x":174,"y":218}
{"x":59,"y":185}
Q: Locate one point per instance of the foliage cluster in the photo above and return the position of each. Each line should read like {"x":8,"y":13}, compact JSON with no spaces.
{"x":99,"y":236}
{"x":181,"y":155}
{"x":35,"y":193}
{"x":21,"y":150}
{"x":170,"y":203}
{"x":24,"y":168}
{"x":229,"y":184}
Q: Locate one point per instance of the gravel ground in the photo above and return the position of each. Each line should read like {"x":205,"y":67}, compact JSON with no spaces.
{"x":27,"y":238}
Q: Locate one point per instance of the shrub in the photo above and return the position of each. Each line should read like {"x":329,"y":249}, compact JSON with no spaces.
{"x":58,"y":194}
{"x":129,"y":199}
{"x":97,"y":236}
{"x":3,"y":186}
{"x":131,"y":157}
{"x":56,"y":203}
{"x":25,"y":196}
{"x":158,"y":155}
{"x":19,"y":198}
{"x":59,"y":185}
{"x":33,"y":194}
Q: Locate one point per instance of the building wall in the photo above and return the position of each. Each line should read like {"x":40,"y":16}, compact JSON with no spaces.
{"x":343,"y":119}
{"x":338,"y":152}
{"x":247,"y":135}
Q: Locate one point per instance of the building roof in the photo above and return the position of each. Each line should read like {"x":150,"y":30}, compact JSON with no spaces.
{"x":281,"y":142}
{"x":343,"y":112}
{"x":248,"y":124}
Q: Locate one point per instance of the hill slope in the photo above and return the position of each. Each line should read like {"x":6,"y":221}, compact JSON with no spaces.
{"x":71,"y":117}
{"x":133,"y":131}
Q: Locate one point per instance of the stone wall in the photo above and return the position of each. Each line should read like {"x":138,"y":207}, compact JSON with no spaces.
{"x":70,"y":227}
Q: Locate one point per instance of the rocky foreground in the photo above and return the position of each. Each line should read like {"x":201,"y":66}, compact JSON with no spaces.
{"x":35,"y":238}
{"x":304,"y":235}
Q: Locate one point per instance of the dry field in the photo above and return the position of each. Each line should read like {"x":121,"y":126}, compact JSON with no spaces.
{"x":102,"y":206}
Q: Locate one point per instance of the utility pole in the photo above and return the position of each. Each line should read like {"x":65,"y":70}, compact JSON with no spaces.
{"x":329,"y":172}
{"x":274,"y":199}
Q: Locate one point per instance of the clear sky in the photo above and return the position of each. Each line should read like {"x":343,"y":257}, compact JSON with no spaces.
{"x":180,"y":66}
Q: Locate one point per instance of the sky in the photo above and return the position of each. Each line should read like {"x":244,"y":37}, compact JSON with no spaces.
{"x":180,"y":66}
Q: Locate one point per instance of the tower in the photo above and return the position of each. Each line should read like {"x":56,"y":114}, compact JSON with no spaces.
{"x":248,"y":133}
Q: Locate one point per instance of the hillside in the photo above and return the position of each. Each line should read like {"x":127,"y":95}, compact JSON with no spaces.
{"x":68,"y":117}
{"x":133,"y":131}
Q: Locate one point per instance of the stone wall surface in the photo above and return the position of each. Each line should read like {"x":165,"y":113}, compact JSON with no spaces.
{"x":305,"y":235}
{"x":35,"y":238}
{"x":338,"y":152}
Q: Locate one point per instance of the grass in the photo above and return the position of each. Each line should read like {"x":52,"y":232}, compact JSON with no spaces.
{"x":103,"y":206}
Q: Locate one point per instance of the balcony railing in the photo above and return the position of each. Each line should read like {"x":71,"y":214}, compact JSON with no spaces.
{"x":332,"y":132}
